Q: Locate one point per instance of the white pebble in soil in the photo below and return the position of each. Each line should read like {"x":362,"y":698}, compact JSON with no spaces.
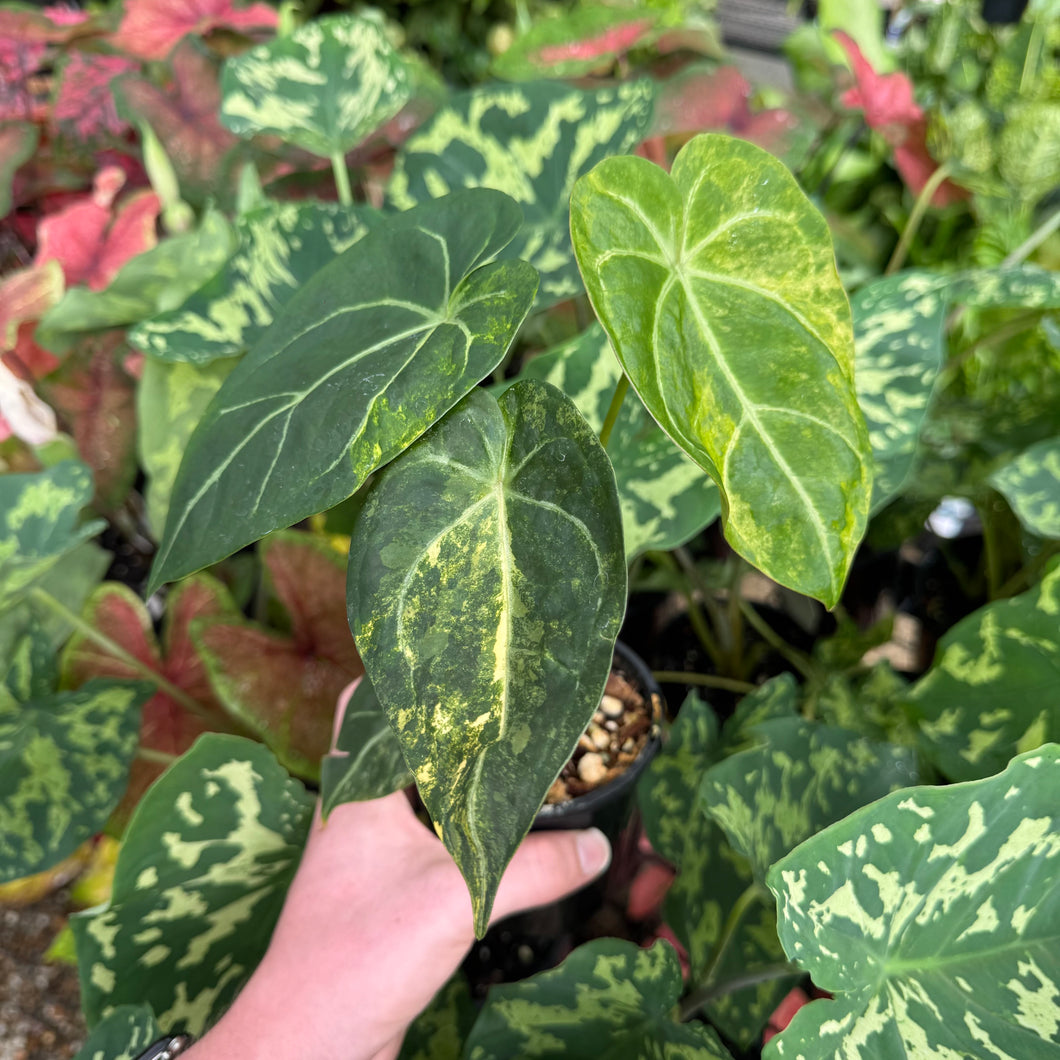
{"x":591,"y":768}
{"x":612,"y":707}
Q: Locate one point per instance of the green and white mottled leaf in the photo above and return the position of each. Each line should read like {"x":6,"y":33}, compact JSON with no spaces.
{"x":608,"y":999}
{"x":1031,"y":484}
{"x":666,"y":499}
{"x":370,"y":764}
{"x":933,"y":916}
{"x":375,"y":348}
{"x":31,"y":670}
{"x":1014,"y":287}
{"x":124,"y":1035}
{"x":441,"y":1029}
{"x":531,"y":141}
{"x":324,"y":87}
{"x":280,"y":246}
{"x":39,"y":513}
{"x":64,"y":763}
{"x":486,"y":586}
{"x":200,"y":881}
{"x":994,"y":687}
{"x":801,"y":778}
{"x":718,"y":289}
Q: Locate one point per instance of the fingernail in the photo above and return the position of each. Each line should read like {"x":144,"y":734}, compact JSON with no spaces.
{"x":594,"y":851}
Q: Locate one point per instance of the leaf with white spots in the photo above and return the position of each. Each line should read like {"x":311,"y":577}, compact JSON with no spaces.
{"x":486,"y":586}
{"x":933,"y":917}
{"x":124,"y":1035}
{"x":1030,"y":483}
{"x":200,"y":881}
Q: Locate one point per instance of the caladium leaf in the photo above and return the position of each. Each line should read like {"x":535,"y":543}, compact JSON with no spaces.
{"x":151,"y":28}
{"x":994,"y":688}
{"x":199,"y":884}
{"x":666,"y":499}
{"x":64,"y":760}
{"x":532,"y":142}
{"x":324,"y":87}
{"x":25,"y":296}
{"x":367,"y":355}
{"x":718,"y":290}
{"x":932,"y":916}
{"x":84,"y":107}
{"x":280,"y":246}
{"x":18,"y":141}
{"x":486,"y":585}
{"x":1031,"y":485}
{"x":124,"y":1035}
{"x":607,"y":999}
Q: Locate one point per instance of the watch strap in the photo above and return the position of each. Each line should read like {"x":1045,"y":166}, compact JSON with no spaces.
{"x":167,"y":1048}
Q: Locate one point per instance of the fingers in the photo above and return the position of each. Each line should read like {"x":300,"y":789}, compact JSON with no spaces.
{"x":549,"y":866}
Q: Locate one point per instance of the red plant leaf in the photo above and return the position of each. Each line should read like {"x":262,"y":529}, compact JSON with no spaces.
{"x":615,"y":40}
{"x":701,"y":100}
{"x":648,"y":889}
{"x":26,"y":296}
{"x":151,"y":28}
{"x":770,"y":129}
{"x":84,"y":104}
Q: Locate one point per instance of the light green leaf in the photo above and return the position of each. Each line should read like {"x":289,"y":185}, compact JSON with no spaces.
{"x":718,"y":290}
{"x":324,"y":87}
{"x":440,"y":1030}
{"x":932,"y":916}
{"x":531,"y":141}
{"x":64,"y":763}
{"x":1031,"y":484}
{"x":486,"y":586}
{"x":366,"y":356}
{"x":124,"y":1035}
{"x":994,"y":688}
{"x":666,"y":499}
{"x":607,"y":999}
{"x":1011,"y":287}
{"x":280,"y":246}
{"x":200,"y":881}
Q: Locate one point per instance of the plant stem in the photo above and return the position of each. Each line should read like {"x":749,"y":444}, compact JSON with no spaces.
{"x":799,"y":660}
{"x":613,"y":409}
{"x":705,"y":994}
{"x":1024,"y":578}
{"x":89,"y":632}
{"x":679,"y":677}
{"x":923,"y":201}
{"x":342,"y":178}
{"x":149,"y":754}
{"x":1033,"y":241}
{"x":695,"y":613}
{"x":991,"y":549}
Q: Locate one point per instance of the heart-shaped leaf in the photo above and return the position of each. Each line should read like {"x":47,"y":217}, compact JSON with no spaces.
{"x":486,"y":586}
{"x":1031,"y":485}
{"x":718,"y":290}
{"x":151,"y":28}
{"x":932,"y":917}
{"x":324,"y":87}
{"x":123,"y":1035}
{"x":366,"y":356}
{"x":200,"y":881}
{"x":532,"y":142}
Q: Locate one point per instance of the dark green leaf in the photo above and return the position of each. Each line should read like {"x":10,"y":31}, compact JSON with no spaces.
{"x":439,"y":1032}
{"x":123,"y":1035}
{"x":1031,"y":484}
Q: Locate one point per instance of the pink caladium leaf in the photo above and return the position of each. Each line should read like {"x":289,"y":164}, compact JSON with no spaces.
{"x":84,"y":102}
{"x":151,"y":28}
{"x":613,"y":41}
{"x":25,"y":296}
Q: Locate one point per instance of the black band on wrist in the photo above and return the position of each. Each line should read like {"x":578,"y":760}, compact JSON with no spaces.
{"x":167,"y":1048}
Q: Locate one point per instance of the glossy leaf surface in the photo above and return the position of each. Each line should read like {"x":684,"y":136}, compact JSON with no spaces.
{"x":932,"y":916}
{"x":440,"y":1030}
{"x":124,"y":1035}
{"x":1031,"y":485}
{"x":324,"y":87}
{"x":531,"y":141}
{"x":199,"y":883}
{"x":368,"y":354}
{"x":486,"y":586}
{"x":718,"y":290}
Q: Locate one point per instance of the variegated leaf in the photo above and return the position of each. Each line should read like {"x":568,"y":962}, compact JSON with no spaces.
{"x":531,"y":141}
{"x":199,"y":884}
{"x":31,"y":670}
{"x":324,"y":87}
{"x":1031,"y":484}
{"x":486,"y":586}
{"x":124,"y":1035}
{"x":440,"y":1030}
{"x":666,"y":499}
{"x":1015,"y":287}
{"x":607,"y":999}
{"x":280,"y":246}
{"x":369,"y":763}
{"x":64,"y":762}
{"x":994,"y":688}
{"x":932,"y":916}
{"x":719,"y":292}
{"x":366,"y":356}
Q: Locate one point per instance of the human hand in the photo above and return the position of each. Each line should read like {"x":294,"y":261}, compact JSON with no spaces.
{"x":376,"y":920}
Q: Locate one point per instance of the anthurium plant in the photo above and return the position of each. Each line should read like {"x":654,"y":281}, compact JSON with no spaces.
{"x":330,"y":426}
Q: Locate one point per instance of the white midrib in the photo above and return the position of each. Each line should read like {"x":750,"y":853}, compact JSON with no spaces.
{"x":502,"y":644}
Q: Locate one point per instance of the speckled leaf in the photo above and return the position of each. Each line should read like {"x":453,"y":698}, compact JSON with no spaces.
{"x":369,"y":763}
{"x":64,"y":761}
{"x":366,"y":356}
{"x":718,"y":290}
{"x":1014,"y":287}
{"x":994,"y":687}
{"x":280,"y":246}
{"x":666,"y":499}
{"x":199,"y":883}
{"x":486,"y":586}
{"x":439,"y":1032}
{"x":531,"y":141}
{"x":933,"y":916}
{"x":324,"y":87}
{"x":801,"y":778}
{"x":30,"y":670}
{"x":1031,"y":485}
{"x":123,"y":1035}
{"x":607,"y":999}
{"x":38,"y":523}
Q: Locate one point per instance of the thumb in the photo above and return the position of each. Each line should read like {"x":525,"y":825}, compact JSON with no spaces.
{"x":549,"y":866}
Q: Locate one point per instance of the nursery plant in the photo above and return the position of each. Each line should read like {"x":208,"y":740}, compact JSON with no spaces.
{"x":314,"y":377}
